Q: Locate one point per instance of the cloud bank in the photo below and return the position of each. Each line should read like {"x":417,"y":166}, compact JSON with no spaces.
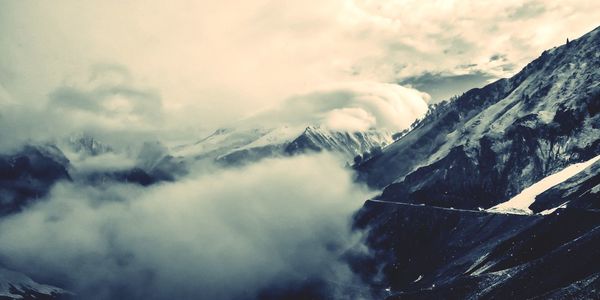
{"x":112,"y":106}
{"x":234,"y":234}
{"x":216,"y":61}
{"x":356,"y":106}
{"x":107,"y":103}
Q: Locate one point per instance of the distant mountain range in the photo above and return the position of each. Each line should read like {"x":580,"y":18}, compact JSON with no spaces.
{"x":30,"y":172}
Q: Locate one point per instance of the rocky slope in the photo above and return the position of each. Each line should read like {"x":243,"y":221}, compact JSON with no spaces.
{"x":423,"y":252}
{"x":490,"y":143}
{"x":529,"y":144}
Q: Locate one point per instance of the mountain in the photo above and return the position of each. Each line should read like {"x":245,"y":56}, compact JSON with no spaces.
{"x":349,"y":144}
{"x":580,"y":191}
{"x":468,"y":153}
{"x":496,"y":193}
{"x":29,"y":174}
{"x":426,"y":252}
{"x":15,"y":285}
{"x":86,"y":144}
{"x":233,"y":146}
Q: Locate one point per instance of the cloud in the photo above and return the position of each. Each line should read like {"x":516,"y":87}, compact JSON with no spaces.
{"x":353,"y":106}
{"x":441,"y":37}
{"x":444,"y":86}
{"x":108,"y":100}
{"x":213,"y":64}
{"x":230,"y":235}
{"x":527,"y":10}
{"x":107,"y":103}
{"x":350,"y":119}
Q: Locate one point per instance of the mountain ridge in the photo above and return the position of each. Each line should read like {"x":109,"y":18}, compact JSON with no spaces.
{"x":430,"y":232}
{"x":495,"y":130}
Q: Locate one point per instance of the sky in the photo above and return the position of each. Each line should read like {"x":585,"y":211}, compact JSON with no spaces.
{"x":193,"y":65}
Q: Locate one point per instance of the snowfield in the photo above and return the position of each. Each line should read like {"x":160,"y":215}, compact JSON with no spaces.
{"x":520,"y":203}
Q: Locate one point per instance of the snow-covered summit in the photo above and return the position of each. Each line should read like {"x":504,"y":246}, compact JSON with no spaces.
{"x":349,"y":144}
{"x":234,"y":145}
{"x":15,"y":285}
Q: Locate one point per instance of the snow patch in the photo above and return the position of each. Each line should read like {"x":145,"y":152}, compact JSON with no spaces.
{"x":546,"y":116}
{"x":520,"y":203}
{"x":551,"y":210}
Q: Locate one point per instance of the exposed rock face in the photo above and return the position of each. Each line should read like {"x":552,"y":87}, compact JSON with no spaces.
{"x":29,"y":174}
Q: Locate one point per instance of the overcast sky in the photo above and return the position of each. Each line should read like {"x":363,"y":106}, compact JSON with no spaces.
{"x":204,"y":63}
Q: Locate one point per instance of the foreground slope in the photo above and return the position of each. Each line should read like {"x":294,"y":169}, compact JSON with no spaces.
{"x":432,"y":234}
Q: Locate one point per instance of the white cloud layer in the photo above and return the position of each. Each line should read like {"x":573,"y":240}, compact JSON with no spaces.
{"x":350,"y":119}
{"x":224,"y":236}
{"x":216,"y":61}
{"x":107,"y":104}
{"x":353,"y":106}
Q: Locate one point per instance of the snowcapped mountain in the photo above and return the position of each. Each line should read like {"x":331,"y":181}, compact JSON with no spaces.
{"x":226,"y":141}
{"x":15,"y":285}
{"x":86,"y":144}
{"x":495,"y":194}
{"x":29,"y":173}
{"x":349,"y":144}
{"x":240,"y":145}
{"x":469,"y":152}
